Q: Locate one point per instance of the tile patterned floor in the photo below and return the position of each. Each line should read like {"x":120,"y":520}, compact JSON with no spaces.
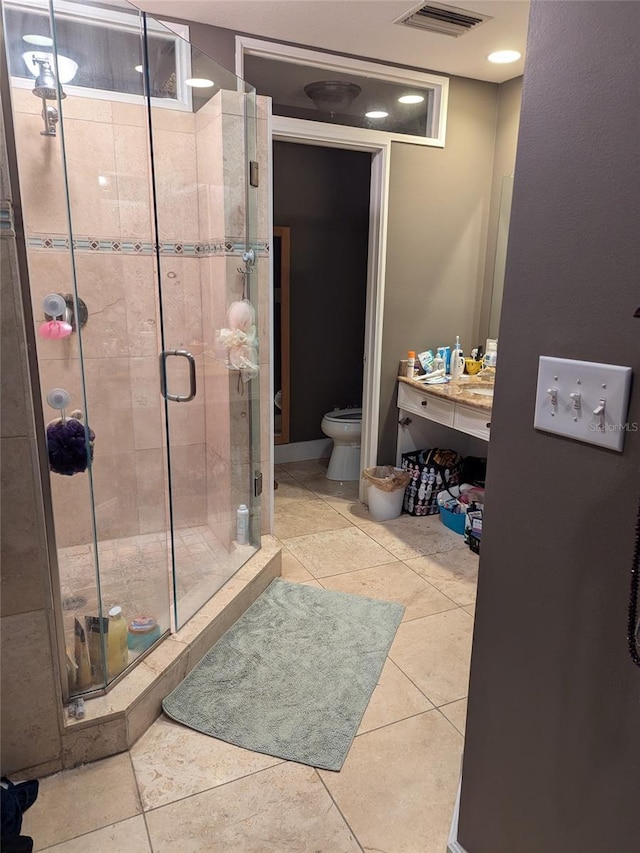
{"x":178,"y":791}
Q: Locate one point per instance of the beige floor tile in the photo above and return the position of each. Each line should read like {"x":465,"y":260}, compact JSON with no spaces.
{"x":434,"y":652}
{"x":292,"y":568}
{"x":294,"y":518}
{"x":129,"y":834}
{"x":314,"y":583}
{"x":308,"y":468}
{"x":337,"y":551}
{"x":454,"y":573}
{"x":323,"y":488}
{"x":393,"y":582}
{"x":172,"y":761}
{"x":357,"y":512}
{"x":78,"y":801}
{"x":398,"y":785}
{"x":456,"y":713}
{"x":408,"y":537}
{"x":395,"y":698}
{"x":291,"y":490}
{"x":285,"y":809}
{"x":471,"y":609}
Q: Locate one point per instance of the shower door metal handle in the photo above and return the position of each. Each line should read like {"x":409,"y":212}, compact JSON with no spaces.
{"x":177,"y":398}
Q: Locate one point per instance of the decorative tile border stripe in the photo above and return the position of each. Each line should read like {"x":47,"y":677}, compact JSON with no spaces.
{"x":227,"y":246}
{"x":7,"y":228}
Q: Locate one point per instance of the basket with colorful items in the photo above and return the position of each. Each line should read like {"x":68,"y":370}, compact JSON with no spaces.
{"x":461,"y":511}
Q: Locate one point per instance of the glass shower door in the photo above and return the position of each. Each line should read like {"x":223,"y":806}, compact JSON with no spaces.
{"x":208,"y":364}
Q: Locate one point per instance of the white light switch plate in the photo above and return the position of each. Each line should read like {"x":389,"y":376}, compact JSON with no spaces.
{"x":571,"y":394}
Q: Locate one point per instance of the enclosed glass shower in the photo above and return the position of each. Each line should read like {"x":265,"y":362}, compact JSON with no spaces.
{"x":135,"y":155}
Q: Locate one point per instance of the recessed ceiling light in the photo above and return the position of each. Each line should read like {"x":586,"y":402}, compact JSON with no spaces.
{"x":41,"y":41}
{"x":411,"y":99}
{"x":503,"y":56}
{"x":199,"y":82}
{"x":138,"y":68}
{"x":376,"y":114}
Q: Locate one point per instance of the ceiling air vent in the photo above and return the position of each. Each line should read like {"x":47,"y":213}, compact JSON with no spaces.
{"x":446,"y":20}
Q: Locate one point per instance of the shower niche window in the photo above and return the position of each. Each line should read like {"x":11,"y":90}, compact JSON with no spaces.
{"x":99,"y":52}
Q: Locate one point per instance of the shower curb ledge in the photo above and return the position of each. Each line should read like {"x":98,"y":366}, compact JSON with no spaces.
{"x":115,"y":721}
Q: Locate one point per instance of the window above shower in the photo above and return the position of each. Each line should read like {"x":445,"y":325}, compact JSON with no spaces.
{"x":100,"y":53}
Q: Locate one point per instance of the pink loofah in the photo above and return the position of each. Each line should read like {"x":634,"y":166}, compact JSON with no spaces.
{"x":55,"y":329}
{"x":241,"y":315}
{"x":240,"y":339}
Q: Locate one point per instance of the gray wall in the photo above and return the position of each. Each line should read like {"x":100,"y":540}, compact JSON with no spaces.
{"x":504,"y":160}
{"x":322,"y":194}
{"x":553,"y":731}
{"x":438,"y":216}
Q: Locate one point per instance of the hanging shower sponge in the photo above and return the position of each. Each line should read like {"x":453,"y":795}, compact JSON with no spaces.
{"x":67,"y":446}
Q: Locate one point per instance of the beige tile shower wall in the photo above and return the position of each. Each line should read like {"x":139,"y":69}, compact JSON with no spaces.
{"x":30,"y":697}
{"x":216,"y":396}
{"x":201,"y":197}
{"x":109,"y":193}
{"x":221,"y":127}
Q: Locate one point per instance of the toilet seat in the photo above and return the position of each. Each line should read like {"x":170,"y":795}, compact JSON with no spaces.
{"x":344,"y":416}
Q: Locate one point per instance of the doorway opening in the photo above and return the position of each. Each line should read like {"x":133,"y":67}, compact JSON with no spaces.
{"x":321,"y":200}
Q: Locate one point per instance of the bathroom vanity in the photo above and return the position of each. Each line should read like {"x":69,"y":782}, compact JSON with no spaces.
{"x":456,"y":415}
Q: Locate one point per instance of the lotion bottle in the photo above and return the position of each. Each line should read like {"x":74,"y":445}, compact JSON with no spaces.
{"x":457,"y":360}
{"x":411,"y":364}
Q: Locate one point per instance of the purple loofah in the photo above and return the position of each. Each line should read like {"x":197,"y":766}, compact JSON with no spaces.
{"x":67,"y":446}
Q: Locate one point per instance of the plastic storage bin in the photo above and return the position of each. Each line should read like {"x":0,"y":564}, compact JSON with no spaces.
{"x":453,"y":520}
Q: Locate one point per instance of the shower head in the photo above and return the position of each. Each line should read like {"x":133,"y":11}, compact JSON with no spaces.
{"x":45,"y":86}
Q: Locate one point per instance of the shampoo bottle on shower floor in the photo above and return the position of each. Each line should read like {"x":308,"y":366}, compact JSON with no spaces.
{"x":117,"y":649}
{"x":242,"y":525}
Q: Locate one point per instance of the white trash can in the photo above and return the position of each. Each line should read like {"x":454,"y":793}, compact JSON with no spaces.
{"x":385,"y":491}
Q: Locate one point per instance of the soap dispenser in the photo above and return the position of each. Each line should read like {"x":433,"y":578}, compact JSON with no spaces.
{"x":457,"y":360}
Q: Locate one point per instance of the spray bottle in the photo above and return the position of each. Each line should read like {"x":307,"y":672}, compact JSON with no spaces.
{"x":242,"y":525}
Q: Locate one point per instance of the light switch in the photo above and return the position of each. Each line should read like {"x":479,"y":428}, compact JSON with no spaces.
{"x":589,"y":403}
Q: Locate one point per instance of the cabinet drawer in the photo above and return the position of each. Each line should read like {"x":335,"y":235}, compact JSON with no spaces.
{"x":472,"y":421}
{"x":425,"y":405}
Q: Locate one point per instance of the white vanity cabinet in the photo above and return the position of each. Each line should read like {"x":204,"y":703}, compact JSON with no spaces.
{"x":426,"y":419}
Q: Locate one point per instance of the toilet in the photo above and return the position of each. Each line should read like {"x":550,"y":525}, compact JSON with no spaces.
{"x":344,"y":426}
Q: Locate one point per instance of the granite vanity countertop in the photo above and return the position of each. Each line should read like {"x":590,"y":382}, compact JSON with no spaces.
{"x":457,"y":390}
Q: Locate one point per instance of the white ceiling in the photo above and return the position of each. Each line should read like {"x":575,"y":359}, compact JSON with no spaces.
{"x":365,"y":28}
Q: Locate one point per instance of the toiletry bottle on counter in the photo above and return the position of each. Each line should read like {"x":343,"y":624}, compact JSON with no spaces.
{"x":457,"y":360}
{"x":117,"y":649}
{"x":445,"y":355}
{"x":491,"y":353}
{"x":411,"y":364}
{"x":242,"y":525}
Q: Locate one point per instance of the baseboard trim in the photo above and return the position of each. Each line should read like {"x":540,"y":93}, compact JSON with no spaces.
{"x":300,"y":451}
{"x":453,"y":845}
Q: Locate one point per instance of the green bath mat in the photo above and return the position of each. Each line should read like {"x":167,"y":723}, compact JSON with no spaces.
{"x":293,"y":677}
